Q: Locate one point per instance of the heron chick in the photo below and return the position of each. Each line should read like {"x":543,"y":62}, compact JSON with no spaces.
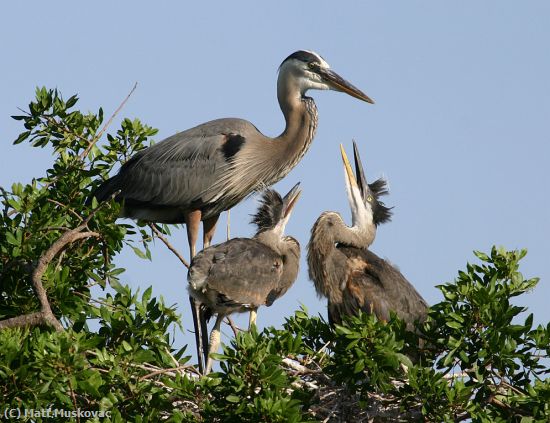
{"x":343,"y":269}
{"x":243,"y":274}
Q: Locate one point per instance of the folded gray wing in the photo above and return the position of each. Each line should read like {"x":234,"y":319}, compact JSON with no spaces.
{"x":180,"y":170}
{"x":240,"y":270}
{"x":376,"y":286}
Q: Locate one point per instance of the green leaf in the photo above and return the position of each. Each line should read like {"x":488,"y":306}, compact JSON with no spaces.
{"x":404,"y":359}
{"x":233,"y":398}
{"x":481,"y":256}
{"x":22,"y":137}
{"x":12,"y":239}
{"x":454,"y":324}
{"x":126,"y":346}
{"x":71,"y":101}
{"x":139,"y":253}
{"x":359,"y":366}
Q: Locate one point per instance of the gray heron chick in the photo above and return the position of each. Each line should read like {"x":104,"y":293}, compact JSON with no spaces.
{"x":197,"y":174}
{"x":343,"y":269}
{"x":243,"y":274}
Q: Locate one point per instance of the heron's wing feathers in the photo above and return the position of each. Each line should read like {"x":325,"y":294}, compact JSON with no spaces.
{"x":160,"y":177}
{"x":180,"y":170}
{"x":375,"y":286}
{"x":242,"y":271}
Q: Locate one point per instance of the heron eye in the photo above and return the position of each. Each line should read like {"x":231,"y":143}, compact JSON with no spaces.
{"x":312,"y":65}
{"x":369,"y":198}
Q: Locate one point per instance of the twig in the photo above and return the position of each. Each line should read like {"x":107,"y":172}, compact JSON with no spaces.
{"x":452,"y":376}
{"x":228,"y":224}
{"x":64,"y":127}
{"x":164,"y":371}
{"x":100,"y":133}
{"x":65,"y":207}
{"x":234,"y":327}
{"x":513,"y":388}
{"x":54,"y":228}
{"x":297,"y":367}
{"x":73,"y":397}
{"x":167,"y":243}
{"x":176,"y":362}
{"x":317,"y":354}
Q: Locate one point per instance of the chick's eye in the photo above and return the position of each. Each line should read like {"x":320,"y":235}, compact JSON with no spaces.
{"x":369,"y":198}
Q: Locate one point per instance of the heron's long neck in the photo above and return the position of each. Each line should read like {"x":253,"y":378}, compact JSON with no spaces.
{"x":265,"y":161}
{"x":301,"y":123}
{"x":327,"y":232}
{"x":289,"y":250}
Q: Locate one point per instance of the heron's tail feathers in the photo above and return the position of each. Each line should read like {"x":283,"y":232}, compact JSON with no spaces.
{"x":106,"y":190}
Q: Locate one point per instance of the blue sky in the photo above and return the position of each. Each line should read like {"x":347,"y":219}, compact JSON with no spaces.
{"x":460,"y":127}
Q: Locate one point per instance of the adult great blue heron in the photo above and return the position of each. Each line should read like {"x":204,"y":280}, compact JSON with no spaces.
{"x":244,"y":273}
{"x":345,"y":271}
{"x":196,"y":174}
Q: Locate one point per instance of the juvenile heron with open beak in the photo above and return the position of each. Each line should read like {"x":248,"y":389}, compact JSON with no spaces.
{"x":343,"y":269}
{"x":243,"y":274}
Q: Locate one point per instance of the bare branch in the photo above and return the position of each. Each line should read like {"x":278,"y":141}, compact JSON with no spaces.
{"x":100,"y":133}
{"x":234,"y":327}
{"x":228,"y":224}
{"x":27,"y":320}
{"x":167,"y":243}
{"x":45,"y":315}
{"x":170,"y":370}
{"x":64,"y":207}
{"x":64,"y":127}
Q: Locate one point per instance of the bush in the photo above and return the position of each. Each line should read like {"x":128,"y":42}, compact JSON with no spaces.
{"x":476,"y":357}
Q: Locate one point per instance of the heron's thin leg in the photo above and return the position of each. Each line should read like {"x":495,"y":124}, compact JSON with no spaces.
{"x":196,"y":312}
{"x":252,"y":319}
{"x":214,"y":341}
{"x":209,"y":227}
{"x":192,"y":222}
{"x":204,"y":333}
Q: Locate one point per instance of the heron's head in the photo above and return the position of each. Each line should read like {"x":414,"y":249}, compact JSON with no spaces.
{"x":274,"y":210}
{"x":304,"y":70}
{"x":364,"y":199}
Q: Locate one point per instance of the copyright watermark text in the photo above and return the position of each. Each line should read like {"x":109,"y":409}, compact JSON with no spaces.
{"x":51,"y":413}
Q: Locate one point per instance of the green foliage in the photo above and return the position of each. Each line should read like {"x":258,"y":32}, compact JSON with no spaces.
{"x":368,"y":354}
{"x":476,"y":357}
{"x":116,"y":354}
{"x":252,"y":385}
{"x":494,"y":362}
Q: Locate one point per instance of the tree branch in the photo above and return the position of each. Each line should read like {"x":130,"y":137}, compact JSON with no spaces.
{"x":167,"y":243}
{"x":100,"y":133}
{"x":45,"y":316}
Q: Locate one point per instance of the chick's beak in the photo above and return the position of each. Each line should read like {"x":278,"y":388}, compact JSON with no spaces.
{"x":350,"y":177}
{"x":289,"y":201}
{"x":358,"y":189}
{"x":361,"y":179}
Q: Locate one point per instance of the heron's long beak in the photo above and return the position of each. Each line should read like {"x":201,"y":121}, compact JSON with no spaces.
{"x":358,"y":190}
{"x":361,"y":179}
{"x":340,"y":84}
{"x":289,"y":200}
